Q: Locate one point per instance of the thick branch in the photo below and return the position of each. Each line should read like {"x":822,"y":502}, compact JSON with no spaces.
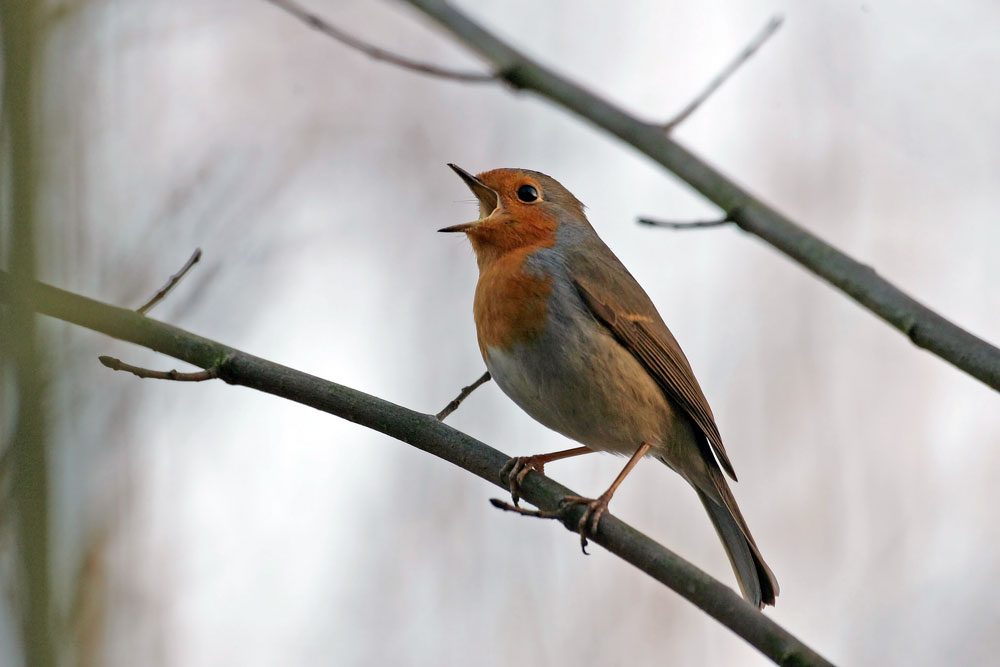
{"x":317,"y":23}
{"x":920,"y":324}
{"x":428,"y":434}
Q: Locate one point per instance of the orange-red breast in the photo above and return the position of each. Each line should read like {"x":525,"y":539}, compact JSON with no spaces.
{"x":570,"y":336}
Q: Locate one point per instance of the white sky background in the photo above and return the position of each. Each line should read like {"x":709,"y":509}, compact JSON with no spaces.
{"x":218,"y":526}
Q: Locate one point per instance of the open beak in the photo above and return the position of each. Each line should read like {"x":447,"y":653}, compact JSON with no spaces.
{"x":488,"y":198}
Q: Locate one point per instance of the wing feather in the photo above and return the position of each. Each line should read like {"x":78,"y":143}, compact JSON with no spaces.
{"x":649,"y":340}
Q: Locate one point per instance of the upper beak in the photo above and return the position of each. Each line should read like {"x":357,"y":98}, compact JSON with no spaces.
{"x":488,"y":198}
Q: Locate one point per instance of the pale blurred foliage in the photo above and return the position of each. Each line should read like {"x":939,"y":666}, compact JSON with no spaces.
{"x":210,"y":525}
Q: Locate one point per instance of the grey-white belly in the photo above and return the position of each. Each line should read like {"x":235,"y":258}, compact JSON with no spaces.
{"x":578,"y":380}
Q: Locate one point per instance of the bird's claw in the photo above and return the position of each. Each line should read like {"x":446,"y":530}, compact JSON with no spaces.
{"x":515,"y":470}
{"x":591,"y":518}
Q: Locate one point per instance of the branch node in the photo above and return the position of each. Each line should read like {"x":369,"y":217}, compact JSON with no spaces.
{"x":511,"y":75}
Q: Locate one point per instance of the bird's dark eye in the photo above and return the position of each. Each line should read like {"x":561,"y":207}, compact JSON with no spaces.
{"x":527,"y":193}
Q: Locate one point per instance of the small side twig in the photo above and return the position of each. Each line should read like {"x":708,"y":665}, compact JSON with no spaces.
{"x":694,"y":224}
{"x":320,"y":24}
{"x":171,"y":283}
{"x":197,"y":376}
{"x":540,"y":514}
{"x":561,"y":514}
{"x":741,"y":58}
{"x":462,"y":395}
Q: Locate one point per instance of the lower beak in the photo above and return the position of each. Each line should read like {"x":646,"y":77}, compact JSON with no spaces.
{"x":489,"y":200}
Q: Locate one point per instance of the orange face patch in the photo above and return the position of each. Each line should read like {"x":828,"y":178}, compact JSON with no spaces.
{"x":515,"y":224}
{"x":511,"y":305}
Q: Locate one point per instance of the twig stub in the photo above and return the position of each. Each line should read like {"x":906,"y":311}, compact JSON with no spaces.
{"x":462,"y":395}
{"x":175,"y":375}
{"x":171,"y":283}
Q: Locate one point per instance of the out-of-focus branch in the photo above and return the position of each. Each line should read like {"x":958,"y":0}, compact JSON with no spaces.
{"x":170,"y":284}
{"x":741,"y":58}
{"x":924,"y":327}
{"x":20,"y":352}
{"x":692,"y":224}
{"x":462,"y":395}
{"x":320,"y":24}
{"x":427,"y":433}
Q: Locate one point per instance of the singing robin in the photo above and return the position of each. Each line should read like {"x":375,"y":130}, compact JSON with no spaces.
{"x":570,"y":336}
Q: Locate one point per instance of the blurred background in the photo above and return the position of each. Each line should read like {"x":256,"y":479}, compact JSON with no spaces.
{"x":206,"y":525}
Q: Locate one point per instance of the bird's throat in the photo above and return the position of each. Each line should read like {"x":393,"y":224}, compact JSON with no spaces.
{"x":511,"y":303}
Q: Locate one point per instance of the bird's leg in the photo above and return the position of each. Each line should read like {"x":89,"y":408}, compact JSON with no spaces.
{"x":514,"y":471}
{"x":596,"y":507}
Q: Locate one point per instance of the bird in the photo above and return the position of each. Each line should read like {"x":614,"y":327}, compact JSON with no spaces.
{"x":571,"y":337}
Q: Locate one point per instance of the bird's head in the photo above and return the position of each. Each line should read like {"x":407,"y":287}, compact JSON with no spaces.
{"x":518,"y":208}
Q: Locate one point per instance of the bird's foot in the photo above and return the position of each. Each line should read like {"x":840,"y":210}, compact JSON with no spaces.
{"x":516,"y":469}
{"x":591,"y":518}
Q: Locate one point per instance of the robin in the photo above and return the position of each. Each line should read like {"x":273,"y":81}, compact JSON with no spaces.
{"x":570,"y":336}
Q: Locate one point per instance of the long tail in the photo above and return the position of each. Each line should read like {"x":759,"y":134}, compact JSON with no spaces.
{"x":756,"y":580}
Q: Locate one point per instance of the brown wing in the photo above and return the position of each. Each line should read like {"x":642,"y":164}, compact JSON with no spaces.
{"x":649,"y":340}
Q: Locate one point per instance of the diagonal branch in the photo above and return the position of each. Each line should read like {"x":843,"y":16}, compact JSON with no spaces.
{"x":425,"y":432}
{"x":171,"y":283}
{"x":462,"y":395}
{"x":924,"y":327}
{"x":320,"y":24}
{"x":741,"y":58}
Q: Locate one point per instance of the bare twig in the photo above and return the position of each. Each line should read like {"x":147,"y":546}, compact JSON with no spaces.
{"x":430,"y":435}
{"x":924,"y":327}
{"x":694,"y":224}
{"x":320,"y":24}
{"x":516,"y":509}
{"x":171,"y":283}
{"x":177,"y":376}
{"x":741,"y":58}
{"x":462,"y":395}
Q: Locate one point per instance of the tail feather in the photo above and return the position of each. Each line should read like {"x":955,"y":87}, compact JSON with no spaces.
{"x":755,"y":578}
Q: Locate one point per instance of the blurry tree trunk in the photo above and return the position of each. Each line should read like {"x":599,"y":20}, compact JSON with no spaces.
{"x":27,"y":455}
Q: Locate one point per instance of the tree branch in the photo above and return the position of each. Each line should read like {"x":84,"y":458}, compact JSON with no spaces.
{"x":920,"y":324}
{"x":319,"y":24}
{"x":145,"y":373}
{"x":426,"y":433}
{"x":171,"y":283}
{"x":741,"y":58}
{"x":694,"y":224}
{"x":462,"y":395}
